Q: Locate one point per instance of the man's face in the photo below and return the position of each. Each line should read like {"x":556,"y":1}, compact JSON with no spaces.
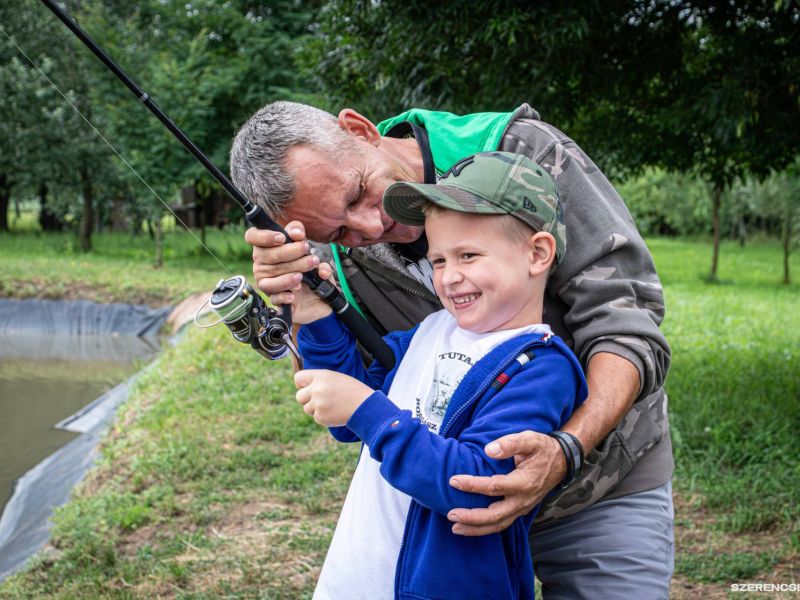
{"x":338,"y":198}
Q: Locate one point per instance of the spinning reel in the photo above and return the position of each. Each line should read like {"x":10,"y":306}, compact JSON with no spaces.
{"x":250,"y":320}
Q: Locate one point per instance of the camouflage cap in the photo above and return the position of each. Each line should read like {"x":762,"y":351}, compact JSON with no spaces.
{"x":488,"y":183}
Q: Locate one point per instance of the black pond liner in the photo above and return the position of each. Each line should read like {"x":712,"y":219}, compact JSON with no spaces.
{"x":24,"y":524}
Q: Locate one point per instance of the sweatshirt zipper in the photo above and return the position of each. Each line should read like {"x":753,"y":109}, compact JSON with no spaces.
{"x":412,"y":513}
{"x":486,"y":383}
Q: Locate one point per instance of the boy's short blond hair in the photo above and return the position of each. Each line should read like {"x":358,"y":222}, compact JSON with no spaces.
{"x":517,"y":231}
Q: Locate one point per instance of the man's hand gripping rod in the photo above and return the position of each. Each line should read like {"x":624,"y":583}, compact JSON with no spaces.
{"x":255,"y":215}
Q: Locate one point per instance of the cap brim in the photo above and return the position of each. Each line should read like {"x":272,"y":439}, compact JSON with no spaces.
{"x":404,"y":201}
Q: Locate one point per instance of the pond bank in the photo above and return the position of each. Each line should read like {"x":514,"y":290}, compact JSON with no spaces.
{"x":74,"y":332}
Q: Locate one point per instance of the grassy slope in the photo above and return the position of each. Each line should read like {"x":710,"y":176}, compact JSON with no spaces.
{"x":213,"y":484}
{"x":119,"y":269}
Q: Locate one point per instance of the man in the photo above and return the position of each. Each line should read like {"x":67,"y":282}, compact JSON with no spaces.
{"x":608,"y":533}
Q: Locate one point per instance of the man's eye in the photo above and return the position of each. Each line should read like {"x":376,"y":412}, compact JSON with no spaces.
{"x":338,"y":235}
{"x":468,"y":256}
{"x":437,"y":262}
{"x":357,"y":198}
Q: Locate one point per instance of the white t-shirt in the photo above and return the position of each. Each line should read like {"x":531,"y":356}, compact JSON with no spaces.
{"x":362,"y":557}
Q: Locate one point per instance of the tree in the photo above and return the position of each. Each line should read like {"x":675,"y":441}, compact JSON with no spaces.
{"x":710,"y":88}
{"x":22,"y":129}
{"x":208,"y":64}
{"x":779,"y":197}
{"x":667,"y":204}
{"x":52,"y":144}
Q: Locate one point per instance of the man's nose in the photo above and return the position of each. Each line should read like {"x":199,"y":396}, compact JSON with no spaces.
{"x":365,"y":225}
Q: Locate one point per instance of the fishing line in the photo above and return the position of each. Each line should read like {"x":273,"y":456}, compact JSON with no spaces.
{"x":269,"y":324}
{"x":114,"y":150}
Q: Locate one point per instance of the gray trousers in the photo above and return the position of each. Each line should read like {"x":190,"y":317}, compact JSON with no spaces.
{"x":622,"y":548}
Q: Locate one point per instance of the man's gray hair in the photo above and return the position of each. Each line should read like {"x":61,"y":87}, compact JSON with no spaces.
{"x":259,"y":150}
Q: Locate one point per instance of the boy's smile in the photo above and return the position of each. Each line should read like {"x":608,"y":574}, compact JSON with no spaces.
{"x":483,"y":276}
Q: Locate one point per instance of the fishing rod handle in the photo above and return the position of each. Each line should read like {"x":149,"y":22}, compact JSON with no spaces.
{"x":367,"y":336}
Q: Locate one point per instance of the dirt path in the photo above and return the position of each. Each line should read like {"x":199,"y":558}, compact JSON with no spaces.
{"x":709,"y":561}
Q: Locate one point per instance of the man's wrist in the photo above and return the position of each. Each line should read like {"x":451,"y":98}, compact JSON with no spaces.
{"x":573,"y":454}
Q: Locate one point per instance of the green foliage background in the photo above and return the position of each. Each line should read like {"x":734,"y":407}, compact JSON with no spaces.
{"x":672,"y":99}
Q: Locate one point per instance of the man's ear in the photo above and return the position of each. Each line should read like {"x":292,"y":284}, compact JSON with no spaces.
{"x":542,"y":252}
{"x":358,"y":125}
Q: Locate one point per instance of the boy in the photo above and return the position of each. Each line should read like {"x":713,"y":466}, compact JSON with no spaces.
{"x":483,"y":367}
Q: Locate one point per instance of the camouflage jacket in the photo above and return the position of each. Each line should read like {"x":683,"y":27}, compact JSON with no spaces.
{"x":604,"y":297}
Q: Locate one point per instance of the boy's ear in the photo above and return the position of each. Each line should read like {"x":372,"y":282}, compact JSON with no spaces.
{"x":358,"y":125}
{"x":542,"y":247}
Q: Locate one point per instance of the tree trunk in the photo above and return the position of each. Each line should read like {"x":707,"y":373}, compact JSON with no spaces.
{"x":716,"y":202}
{"x":159,"y":244}
{"x":87,"y":220}
{"x":119,"y":220}
{"x":787,"y":246}
{"x":5,"y":197}
{"x":48,"y":220}
{"x":742,"y":231}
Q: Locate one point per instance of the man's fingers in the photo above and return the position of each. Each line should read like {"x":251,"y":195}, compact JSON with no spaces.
{"x":475,"y":530}
{"x":267,"y":237}
{"x":496,"y":485}
{"x":277,"y":285}
{"x":516,"y":482}
{"x":264,"y":238}
{"x":325,"y":270}
{"x":480,"y":521}
{"x":525,"y":442}
{"x":279,"y":253}
{"x":273,"y":262}
{"x":290,"y":281}
{"x":296,"y":230}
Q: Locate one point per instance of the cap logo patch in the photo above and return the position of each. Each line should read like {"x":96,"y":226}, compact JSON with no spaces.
{"x":527,"y":204}
{"x":456,"y":169}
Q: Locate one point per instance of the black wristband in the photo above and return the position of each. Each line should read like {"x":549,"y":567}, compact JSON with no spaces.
{"x":573,"y":454}
{"x":581,"y":456}
{"x":567,"y":457}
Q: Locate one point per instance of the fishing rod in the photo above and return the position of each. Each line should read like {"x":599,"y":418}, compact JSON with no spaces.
{"x":240,"y":307}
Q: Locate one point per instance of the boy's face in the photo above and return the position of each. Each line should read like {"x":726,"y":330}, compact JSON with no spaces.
{"x":480,"y":273}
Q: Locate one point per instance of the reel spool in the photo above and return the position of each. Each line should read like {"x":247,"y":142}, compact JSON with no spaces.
{"x":249,"y":319}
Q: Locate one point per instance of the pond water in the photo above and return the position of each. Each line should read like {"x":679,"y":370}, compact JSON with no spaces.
{"x":45,"y":378}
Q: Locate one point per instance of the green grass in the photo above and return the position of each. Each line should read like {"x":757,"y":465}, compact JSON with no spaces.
{"x":120,"y":267}
{"x":714,"y":567}
{"x":214,"y":484}
{"x":734,"y":383}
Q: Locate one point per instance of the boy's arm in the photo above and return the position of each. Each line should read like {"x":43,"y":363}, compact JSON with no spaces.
{"x":420,"y":463}
{"x":327,"y":344}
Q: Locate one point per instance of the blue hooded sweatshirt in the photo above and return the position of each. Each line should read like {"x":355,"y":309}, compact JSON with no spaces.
{"x":531,"y":382}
